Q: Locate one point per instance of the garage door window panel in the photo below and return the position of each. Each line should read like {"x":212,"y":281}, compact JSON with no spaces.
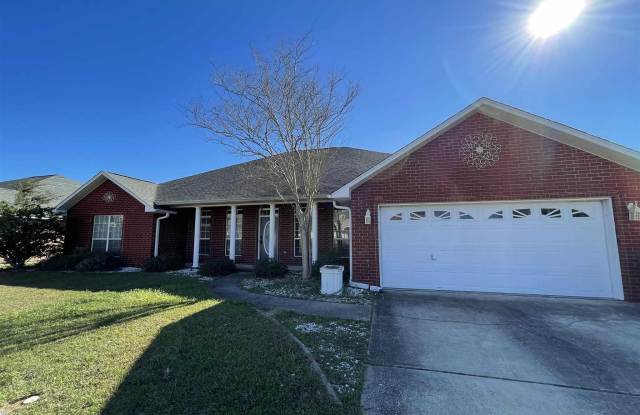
{"x":442,"y":214}
{"x":521,"y":213}
{"x":553,"y":213}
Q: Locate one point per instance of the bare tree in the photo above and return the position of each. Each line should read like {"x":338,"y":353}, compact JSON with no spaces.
{"x":284,"y":112}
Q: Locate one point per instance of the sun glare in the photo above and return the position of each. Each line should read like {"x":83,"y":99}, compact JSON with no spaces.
{"x":552,"y":16}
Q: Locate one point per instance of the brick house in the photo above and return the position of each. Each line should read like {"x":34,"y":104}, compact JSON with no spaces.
{"x":494,"y":199}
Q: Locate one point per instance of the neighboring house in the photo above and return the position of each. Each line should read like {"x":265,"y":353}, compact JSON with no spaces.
{"x":494,"y":199}
{"x":52,"y":186}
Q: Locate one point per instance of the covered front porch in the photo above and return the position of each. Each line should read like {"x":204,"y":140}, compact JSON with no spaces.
{"x":243,"y":233}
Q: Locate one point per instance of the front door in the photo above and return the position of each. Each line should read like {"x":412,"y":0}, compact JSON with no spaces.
{"x":264,"y":234}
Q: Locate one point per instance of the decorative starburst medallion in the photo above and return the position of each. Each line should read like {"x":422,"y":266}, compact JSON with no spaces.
{"x":480,"y":150}
{"x":108,"y":197}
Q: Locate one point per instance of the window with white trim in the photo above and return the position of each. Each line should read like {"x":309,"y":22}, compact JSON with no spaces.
{"x":227,"y":238}
{"x":341,"y":232}
{"x":205,"y":232}
{"x":107,"y":234}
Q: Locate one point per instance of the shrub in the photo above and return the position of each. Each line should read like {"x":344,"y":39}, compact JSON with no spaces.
{"x":65,"y":262}
{"x":102,"y":261}
{"x":216,"y":268}
{"x":270,"y":268}
{"x":332,"y":257}
{"x":161,"y":264}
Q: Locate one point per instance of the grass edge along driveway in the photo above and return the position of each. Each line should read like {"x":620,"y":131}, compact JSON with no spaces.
{"x":144,"y":343}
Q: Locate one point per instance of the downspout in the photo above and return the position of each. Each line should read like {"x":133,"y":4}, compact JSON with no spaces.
{"x":157,"y":238}
{"x":336,"y":206}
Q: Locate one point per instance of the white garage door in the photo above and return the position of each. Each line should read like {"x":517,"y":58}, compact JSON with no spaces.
{"x":556,"y":248}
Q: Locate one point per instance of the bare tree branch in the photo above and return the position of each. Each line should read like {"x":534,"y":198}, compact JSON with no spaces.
{"x":284,"y":112}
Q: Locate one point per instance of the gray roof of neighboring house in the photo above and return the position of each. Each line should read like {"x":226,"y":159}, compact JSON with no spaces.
{"x":247,"y":182}
{"x":53,"y":186}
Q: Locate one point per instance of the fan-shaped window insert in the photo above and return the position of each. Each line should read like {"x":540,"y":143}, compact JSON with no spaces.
{"x":397,"y":216}
{"x":578,"y":213}
{"x":496,"y":215}
{"x":551,"y":212}
{"x":521,"y":213}
{"x":418,"y":215}
{"x":442,"y":214}
{"x":465,"y":215}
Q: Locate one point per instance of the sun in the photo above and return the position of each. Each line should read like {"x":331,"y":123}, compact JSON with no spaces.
{"x":552,"y":16}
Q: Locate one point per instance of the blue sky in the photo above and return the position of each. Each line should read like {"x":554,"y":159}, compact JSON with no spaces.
{"x":89,"y":86}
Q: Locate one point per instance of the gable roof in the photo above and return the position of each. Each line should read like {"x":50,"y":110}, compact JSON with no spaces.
{"x":249,"y":182}
{"x":550,"y":129}
{"x":142,"y":190}
{"x":53,"y":186}
{"x":239,"y":183}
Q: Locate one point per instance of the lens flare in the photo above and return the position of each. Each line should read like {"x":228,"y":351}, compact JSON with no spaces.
{"x":552,"y":16}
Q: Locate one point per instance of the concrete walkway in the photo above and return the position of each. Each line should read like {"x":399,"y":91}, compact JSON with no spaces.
{"x":229,"y":288}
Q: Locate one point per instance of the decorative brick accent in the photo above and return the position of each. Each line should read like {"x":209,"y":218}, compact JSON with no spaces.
{"x":138,"y":225}
{"x":530,"y":167}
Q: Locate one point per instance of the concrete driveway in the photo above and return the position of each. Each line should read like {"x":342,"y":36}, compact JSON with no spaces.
{"x":449,"y":353}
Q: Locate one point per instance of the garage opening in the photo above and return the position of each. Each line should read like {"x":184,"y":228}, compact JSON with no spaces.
{"x":541,"y":247}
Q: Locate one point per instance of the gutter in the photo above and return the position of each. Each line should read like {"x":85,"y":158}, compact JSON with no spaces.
{"x":156,"y":242}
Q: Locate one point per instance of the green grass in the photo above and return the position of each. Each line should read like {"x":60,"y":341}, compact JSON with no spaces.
{"x":133,"y":343}
{"x":340,"y":348}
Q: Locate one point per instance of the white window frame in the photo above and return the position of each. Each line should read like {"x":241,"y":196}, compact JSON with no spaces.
{"x":110,"y":219}
{"x":227,"y":233}
{"x":205,"y":230}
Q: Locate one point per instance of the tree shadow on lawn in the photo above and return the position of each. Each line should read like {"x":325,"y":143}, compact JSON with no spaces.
{"x":106,"y":281}
{"x":224,"y":359}
{"x":31,"y":329}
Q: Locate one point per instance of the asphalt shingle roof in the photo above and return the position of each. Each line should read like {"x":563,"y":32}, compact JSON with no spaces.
{"x":247,"y":182}
{"x":54,"y":186}
{"x":144,"y":189}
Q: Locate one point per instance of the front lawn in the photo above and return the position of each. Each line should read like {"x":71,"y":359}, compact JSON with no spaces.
{"x":120,"y":343}
{"x":293,"y":286}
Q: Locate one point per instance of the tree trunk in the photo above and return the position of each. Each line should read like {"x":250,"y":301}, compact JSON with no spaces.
{"x":306,"y":252}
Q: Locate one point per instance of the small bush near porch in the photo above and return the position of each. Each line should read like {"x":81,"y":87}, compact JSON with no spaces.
{"x":132,"y":343}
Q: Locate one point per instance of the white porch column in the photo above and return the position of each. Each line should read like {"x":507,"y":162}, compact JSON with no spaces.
{"x":196,"y":239}
{"x":314,"y":232}
{"x":232,"y":232}
{"x":272,"y":230}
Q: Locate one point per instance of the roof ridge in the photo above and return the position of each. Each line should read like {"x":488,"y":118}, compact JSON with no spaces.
{"x":260,"y":159}
{"x":131,"y":177}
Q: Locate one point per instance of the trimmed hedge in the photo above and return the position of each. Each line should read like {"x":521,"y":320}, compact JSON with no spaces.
{"x":216,"y":268}
{"x":65,"y":262}
{"x":162,"y":264}
{"x":102,"y":261}
{"x":269,"y":268}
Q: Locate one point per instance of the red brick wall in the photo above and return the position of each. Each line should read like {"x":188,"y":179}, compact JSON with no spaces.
{"x":138,"y":226}
{"x":530,"y":167}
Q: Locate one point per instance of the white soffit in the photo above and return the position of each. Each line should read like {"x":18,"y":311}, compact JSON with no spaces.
{"x":550,"y":129}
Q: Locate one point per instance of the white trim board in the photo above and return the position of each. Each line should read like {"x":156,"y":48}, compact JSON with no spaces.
{"x":550,"y":129}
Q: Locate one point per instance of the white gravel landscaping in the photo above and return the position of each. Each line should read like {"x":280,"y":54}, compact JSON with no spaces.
{"x":293,"y":286}
{"x":339,"y":346}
